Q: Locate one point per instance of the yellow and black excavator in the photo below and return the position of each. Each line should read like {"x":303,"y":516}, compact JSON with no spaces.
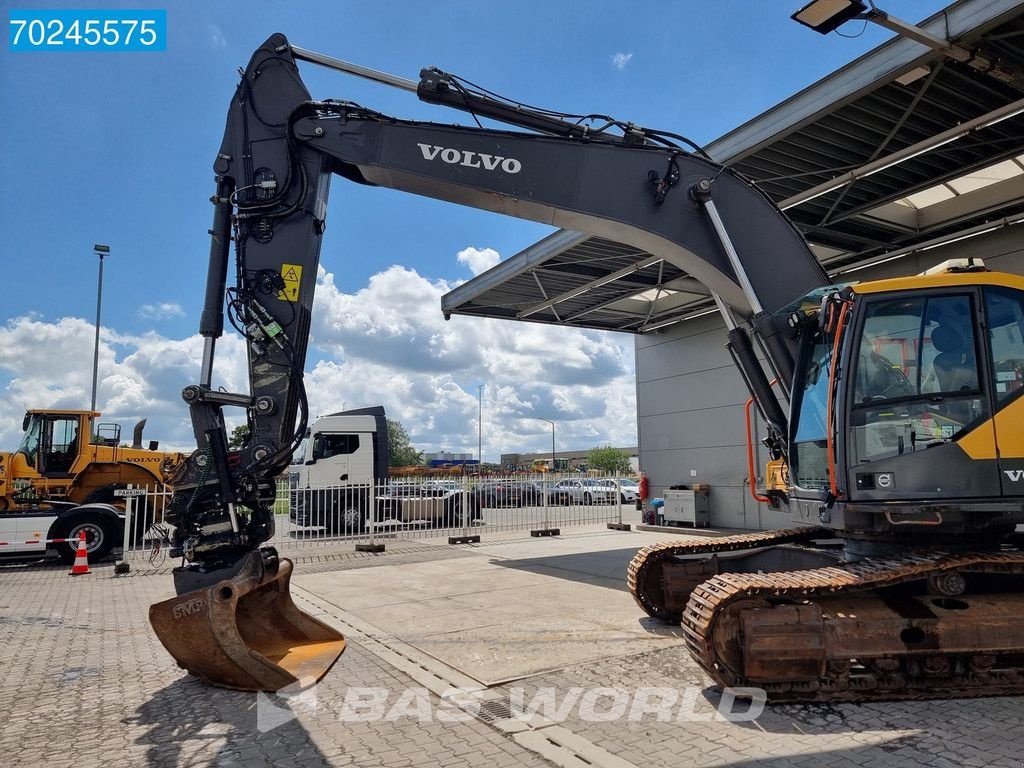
{"x":900,"y":454}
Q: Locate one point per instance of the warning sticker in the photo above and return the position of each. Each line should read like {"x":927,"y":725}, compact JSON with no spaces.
{"x":291,"y":274}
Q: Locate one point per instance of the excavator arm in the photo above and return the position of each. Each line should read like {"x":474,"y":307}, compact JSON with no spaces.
{"x":273,"y":171}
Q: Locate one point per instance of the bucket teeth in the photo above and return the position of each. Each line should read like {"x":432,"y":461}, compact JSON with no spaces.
{"x":246,"y":633}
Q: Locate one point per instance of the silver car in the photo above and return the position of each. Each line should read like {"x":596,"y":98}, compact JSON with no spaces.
{"x":628,"y":490}
{"x":581,"y":491}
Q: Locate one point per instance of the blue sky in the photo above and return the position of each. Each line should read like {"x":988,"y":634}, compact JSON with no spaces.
{"x":117,"y":148}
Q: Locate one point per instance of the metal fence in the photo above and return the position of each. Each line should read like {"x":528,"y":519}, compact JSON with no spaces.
{"x":459,"y":510}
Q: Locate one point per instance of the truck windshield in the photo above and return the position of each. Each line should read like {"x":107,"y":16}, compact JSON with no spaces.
{"x":30,"y":442}
{"x":299,"y":457}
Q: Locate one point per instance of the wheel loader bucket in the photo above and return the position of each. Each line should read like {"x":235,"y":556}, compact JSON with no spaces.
{"x":245,"y":633}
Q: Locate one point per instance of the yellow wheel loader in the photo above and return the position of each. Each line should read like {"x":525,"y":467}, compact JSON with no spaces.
{"x":70,"y":467}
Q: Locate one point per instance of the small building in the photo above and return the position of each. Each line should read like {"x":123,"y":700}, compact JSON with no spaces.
{"x":445,"y":458}
{"x":565,"y":461}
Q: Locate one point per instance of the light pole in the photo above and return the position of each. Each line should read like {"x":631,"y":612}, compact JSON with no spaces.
{"x":101,"y":251}
{"x":480,"y":426}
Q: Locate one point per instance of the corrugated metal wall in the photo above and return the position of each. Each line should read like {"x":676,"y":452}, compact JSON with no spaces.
{"x":690,"y":398}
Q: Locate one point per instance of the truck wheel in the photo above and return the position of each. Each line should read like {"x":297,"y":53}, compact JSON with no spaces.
{"x":99,"y":537}
{"x":352,"y":517}
{"x":588,"y":499}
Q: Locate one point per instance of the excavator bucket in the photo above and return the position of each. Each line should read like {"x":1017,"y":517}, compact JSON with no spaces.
{"x":245,"y":632}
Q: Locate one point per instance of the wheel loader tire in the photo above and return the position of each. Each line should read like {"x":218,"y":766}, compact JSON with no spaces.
{"x":100,"y":537}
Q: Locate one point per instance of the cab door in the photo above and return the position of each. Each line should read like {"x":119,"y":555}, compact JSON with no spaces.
{"x":333,"y":460}
{"x":920,"y":416}
{"x":1004,"y":324}
{"x":60,"y":445}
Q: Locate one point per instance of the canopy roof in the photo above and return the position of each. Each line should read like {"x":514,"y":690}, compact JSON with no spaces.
{"x":905,"y":148}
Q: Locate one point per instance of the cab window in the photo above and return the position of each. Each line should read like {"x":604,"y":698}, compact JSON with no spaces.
{"x":299,"y":457}
{"x":916,"y":376}
{"x":30,"y":442}
{"x":1004,"y":312}
{"x":326,"y":446}
{"x":809,"y":455}
{"x":62,"y":447}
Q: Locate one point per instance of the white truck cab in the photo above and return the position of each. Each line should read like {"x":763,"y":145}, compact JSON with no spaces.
{"x":336,"y":469}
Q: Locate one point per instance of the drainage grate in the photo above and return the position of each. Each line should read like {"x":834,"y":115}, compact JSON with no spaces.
{"x":494,"y":710}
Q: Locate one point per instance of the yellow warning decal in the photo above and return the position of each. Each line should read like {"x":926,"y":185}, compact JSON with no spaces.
{"x":291,"y":274}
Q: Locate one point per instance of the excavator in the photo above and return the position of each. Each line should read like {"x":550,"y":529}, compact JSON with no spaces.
{"x":894,"y":409}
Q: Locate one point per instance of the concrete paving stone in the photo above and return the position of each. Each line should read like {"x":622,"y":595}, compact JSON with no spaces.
{"x":110,"y":684}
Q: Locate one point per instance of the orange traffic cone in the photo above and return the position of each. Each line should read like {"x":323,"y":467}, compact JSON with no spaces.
{"x":81,"y":565}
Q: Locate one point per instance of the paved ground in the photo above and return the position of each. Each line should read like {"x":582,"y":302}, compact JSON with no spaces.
{"x":86,"y":683}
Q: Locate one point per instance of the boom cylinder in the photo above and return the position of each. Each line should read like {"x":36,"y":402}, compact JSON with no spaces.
{"x":211,"y":322}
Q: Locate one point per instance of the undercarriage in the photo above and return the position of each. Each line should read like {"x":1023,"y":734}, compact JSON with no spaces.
{"x":784,"y":612}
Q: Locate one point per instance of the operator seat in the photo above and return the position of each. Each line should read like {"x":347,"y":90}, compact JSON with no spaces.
{"x":954,"y":366}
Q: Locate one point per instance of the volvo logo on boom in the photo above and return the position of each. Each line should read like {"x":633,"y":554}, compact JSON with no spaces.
{"x":470,"y":159}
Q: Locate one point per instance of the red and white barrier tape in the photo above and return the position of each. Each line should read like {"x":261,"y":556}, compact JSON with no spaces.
{"x":40,"y":541}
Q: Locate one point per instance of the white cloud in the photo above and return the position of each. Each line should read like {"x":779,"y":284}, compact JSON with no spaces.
{"x":217,"y":38}
{"x":478,"y":260}
{"x":161,"y":311}
{"x":386,"y":343}
{"x":390,"y":345}
{"x":49,"y":365}
{"x":620,"y":60}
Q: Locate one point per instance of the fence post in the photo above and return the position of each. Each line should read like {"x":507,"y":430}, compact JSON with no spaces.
{"x":619,"y":526}
{"x":464,"y":537}
{"x":547,"y":530}
{"x":122,"y":566}
{"x":372,"y":545}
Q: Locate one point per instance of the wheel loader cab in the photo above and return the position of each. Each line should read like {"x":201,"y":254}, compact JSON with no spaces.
{"x":51,"y":443}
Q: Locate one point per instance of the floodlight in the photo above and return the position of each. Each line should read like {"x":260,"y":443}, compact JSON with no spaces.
{"x":826,"y":15}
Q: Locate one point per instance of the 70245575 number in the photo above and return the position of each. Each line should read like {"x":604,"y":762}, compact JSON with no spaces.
{"x":70,"y":30}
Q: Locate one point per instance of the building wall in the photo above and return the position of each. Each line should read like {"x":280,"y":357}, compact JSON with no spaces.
{"x":690,"y":398}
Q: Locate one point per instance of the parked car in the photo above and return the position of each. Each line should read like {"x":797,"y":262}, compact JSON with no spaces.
{"x":436,"y":501}
{"x":628,"y":489}
{"x":581,"y":491}
{"x":444,"y":485}
{"x":509,"y":493}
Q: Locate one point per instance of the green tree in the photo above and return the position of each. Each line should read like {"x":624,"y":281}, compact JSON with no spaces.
{"x":238,"y":436}
{"x":402,"y":452}
{"x":611,"y":461}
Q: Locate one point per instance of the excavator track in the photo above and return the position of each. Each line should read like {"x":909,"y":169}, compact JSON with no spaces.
{"x":789,"y":618}
{"x":645,"y":579}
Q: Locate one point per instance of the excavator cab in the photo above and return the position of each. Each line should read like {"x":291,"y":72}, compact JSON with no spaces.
{"x":243,"y":631}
